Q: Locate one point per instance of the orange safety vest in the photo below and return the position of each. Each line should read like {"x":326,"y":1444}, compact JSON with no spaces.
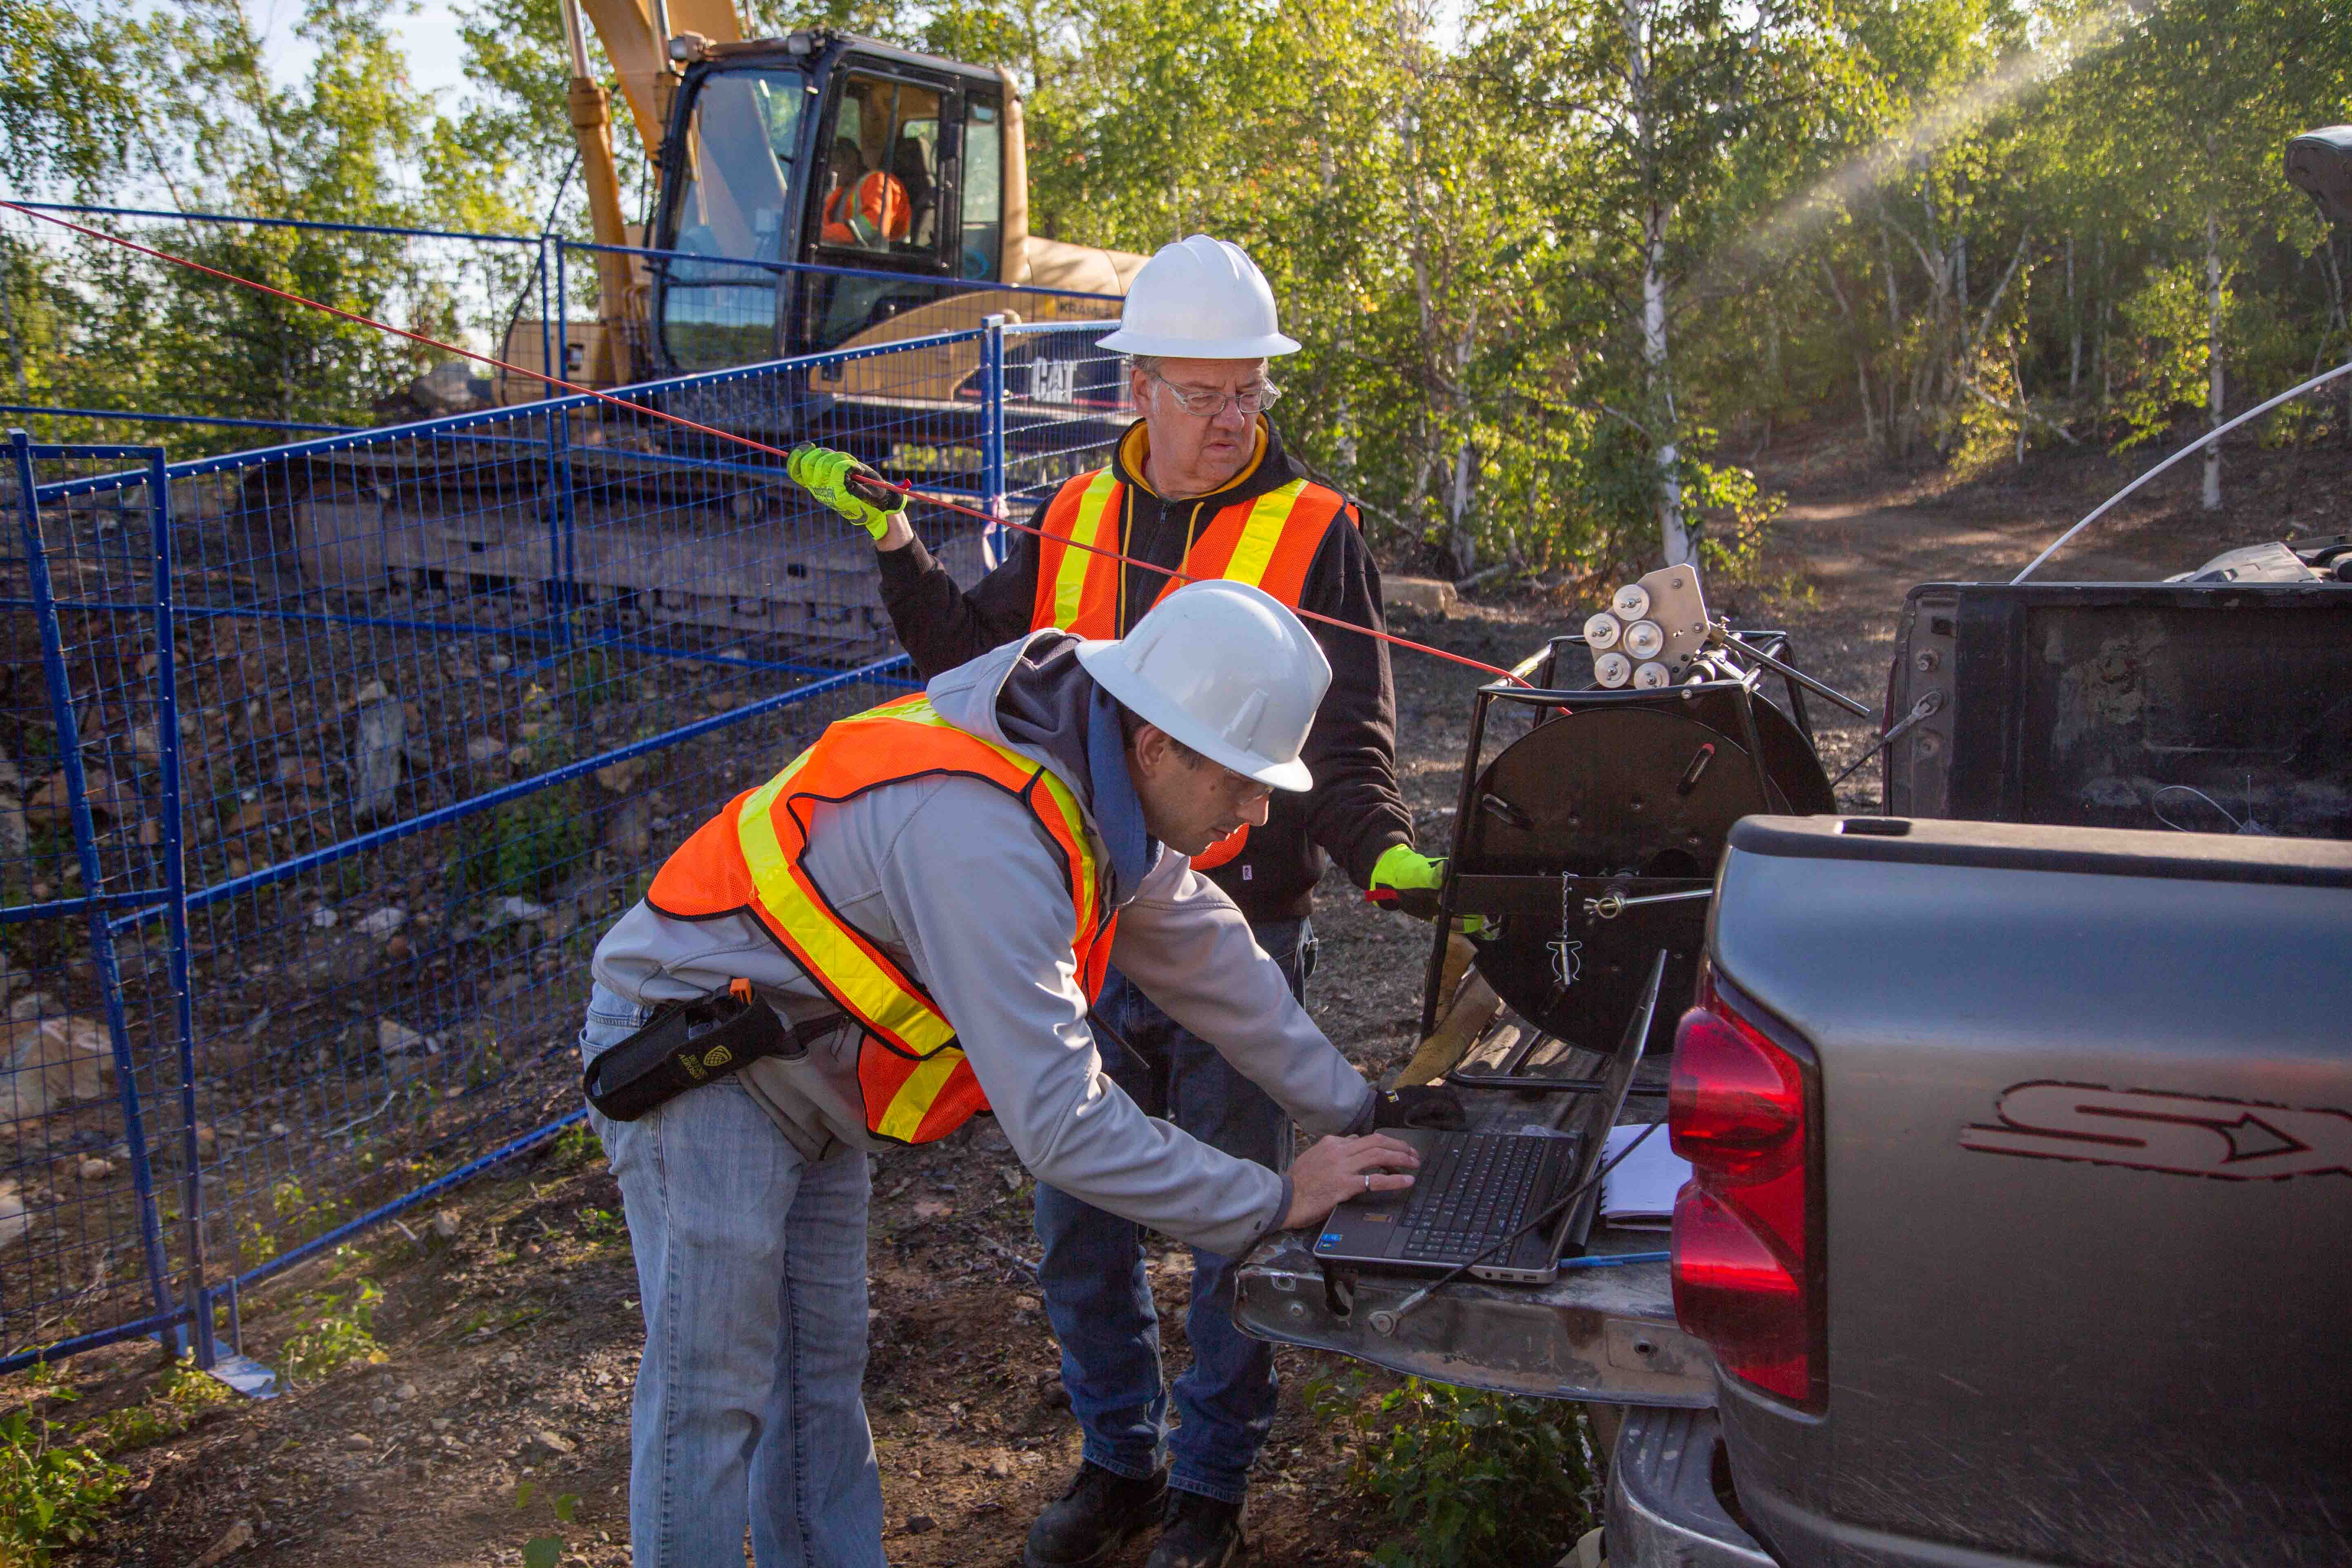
{"x":915,"y":1081}
{"x":873,"y":208}
{"x":1267,"y":542}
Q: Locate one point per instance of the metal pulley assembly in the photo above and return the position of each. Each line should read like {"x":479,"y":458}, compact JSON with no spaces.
{"x":1590,"y":842}
{"x":1656,"y":627}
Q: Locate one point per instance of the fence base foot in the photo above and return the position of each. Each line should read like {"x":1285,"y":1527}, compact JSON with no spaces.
{"x":248,"y":1377}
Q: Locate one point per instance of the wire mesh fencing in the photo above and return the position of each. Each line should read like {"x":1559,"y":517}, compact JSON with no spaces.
{"x":328,"y":764}
{"x":214,"y":361}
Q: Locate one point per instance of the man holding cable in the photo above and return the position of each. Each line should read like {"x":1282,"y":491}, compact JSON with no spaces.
{"x":1199,"y":485}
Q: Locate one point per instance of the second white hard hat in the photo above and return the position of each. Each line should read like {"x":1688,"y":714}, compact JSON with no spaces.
{"x":1199,"y":299}
{"x":1225,"y":668}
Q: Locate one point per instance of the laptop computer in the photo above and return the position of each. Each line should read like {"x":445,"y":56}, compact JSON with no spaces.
{"x":1474,"y":1188}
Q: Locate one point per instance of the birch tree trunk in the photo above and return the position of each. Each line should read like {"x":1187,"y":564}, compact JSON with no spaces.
{"x":1672,"y":530}
{"x":2074,"y":328}
{"x":1655,"y":214}
{"x":2213,"y":357}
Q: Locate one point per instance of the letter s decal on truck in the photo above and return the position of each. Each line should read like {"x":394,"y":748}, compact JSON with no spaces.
{"x":2189,"y":1135}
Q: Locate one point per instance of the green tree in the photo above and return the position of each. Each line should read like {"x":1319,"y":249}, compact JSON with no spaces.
{"x":1646,"y":108}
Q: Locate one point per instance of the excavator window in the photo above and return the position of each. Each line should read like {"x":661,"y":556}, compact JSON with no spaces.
{"x":881,"y":205}
{"x":886,"y":200}
{"x":733,"y":202}
{"x":980,"y":242}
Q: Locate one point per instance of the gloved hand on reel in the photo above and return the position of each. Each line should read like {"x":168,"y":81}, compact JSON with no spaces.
{"x":834,"y":479}
{"x":1406,"y":881}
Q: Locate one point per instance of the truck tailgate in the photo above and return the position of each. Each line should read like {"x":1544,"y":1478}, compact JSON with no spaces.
{"x":1603,"y":1333}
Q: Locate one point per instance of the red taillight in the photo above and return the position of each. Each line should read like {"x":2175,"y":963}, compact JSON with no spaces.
{"x":1745,"y":1272}
{"x":1735,"y":1103}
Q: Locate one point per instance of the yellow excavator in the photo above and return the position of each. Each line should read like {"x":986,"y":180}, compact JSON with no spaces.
{"x":898,"y":181}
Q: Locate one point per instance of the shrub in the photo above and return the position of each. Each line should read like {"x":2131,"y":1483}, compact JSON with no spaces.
{"x":1471,"y":1479}
{"x":51,"y":1496}
{"x":333,"y":1332}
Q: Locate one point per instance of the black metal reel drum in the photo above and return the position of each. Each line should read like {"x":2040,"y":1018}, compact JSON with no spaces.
{"x":1617,"y":800}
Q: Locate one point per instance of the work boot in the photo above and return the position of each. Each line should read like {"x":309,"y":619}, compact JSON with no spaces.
{"x":1199,"y":1532}
{"x":1101,"y":1512}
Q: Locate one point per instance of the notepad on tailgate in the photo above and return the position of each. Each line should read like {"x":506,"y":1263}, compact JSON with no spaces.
{"x":1640,"y":1194}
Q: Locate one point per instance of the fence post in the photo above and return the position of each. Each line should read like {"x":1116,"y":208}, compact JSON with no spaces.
{"x":547,"y":326}
{"x":559,"y":473}
{"x":992,"y":438}
{"x":101,"y":934}
{"x":561,"y":368}
{"x":175,"y":896}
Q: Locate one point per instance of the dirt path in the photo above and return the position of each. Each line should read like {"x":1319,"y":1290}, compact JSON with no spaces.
{"x":510,"y":1343}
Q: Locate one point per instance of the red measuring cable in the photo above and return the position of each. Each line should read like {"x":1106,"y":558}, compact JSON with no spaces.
{"x":681,"y":421}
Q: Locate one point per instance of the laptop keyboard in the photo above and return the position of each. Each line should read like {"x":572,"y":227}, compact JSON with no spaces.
{"x":1469,"y":1193}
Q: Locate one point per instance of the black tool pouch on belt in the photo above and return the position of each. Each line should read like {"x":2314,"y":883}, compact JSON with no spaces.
{"x":686,"y":1044}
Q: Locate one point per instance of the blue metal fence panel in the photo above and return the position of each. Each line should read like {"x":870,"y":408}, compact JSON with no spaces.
{"x":376,"y":733}
{"x":92,"y":1106}
{"x":1064,"y":402}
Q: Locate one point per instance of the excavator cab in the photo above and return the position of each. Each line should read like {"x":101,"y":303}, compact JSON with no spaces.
{"x":849,"y":154}
{"x":821,"y":192}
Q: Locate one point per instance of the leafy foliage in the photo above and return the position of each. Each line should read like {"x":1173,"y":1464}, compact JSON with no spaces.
{"x":1472,"y":1480}
{"x":533,"y":844}
{"x":53,"y":1495}
{"x":1562,"y":268}
{"x":334,"y":1331}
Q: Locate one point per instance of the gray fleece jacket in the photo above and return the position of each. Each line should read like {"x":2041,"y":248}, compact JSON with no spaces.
{"x":960,"y":884}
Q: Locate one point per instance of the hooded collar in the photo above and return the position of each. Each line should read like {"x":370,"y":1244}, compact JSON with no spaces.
{"x":1031,"y":694}
{"x":1117,"y":810}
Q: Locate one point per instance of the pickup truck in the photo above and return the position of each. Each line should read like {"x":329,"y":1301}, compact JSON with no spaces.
{"x":2021,"y":1228}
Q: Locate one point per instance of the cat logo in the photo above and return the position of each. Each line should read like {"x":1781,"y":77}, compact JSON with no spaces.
{"x":2187,"y":1135}
{"x":716,"y":1056}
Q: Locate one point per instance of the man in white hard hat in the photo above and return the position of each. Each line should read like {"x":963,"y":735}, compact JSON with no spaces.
{"x":904,"y":928}
{"x":1200,"y":484}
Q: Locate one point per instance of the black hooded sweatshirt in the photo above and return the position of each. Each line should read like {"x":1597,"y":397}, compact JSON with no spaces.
{"x":1354,"y":812}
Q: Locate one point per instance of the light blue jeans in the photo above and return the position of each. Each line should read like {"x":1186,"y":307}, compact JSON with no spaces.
{"x":752,"y":1271}
{"x":1099,"y":1295}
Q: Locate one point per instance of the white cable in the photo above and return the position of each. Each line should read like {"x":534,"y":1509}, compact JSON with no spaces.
{"x":2198,"y":444}
{"x":2156,"y":805}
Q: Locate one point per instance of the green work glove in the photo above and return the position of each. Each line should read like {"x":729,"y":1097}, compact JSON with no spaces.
{"x":1401,"y":867}
{"x":1406,"y":879}
{"x":824,"y":474}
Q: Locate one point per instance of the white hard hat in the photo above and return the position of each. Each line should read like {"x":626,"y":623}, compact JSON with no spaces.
{"x":1199,"y":299}
{"x":1225,"y":668}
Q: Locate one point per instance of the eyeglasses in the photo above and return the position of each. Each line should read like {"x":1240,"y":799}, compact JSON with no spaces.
{"x":1248,"y":403}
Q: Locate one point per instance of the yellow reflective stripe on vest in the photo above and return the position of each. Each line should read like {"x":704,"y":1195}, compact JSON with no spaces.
{"x":844,"y":963}
{"x":914,"y":1099}
{"x":919,"y":711}
{"x":1253,"y":551}
{"x":1089,"y":528}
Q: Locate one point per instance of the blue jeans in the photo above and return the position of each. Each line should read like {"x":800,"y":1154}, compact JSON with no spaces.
{"x":752,"y":1271}
{"x":1098,"y":1296}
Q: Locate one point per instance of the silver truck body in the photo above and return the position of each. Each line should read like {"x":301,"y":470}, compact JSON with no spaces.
{"x":2086,"y":1143}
